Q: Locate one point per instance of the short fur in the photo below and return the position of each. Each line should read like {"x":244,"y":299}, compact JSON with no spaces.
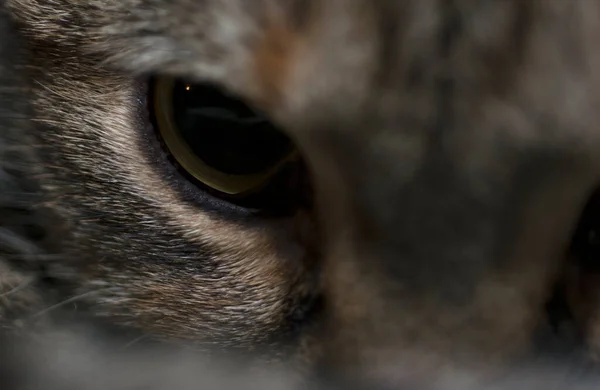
{"x":452,"y":145}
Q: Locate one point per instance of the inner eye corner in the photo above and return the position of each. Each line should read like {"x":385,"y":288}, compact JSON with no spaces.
{"x":223,"y":145}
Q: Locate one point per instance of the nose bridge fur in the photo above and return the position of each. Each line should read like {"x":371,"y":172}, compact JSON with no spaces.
{"x":461,"y":256}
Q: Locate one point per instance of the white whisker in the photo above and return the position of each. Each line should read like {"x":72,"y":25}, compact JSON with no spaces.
{"x":136,"y":340}
{"x":67,"y":301}
{"x":21,"y":286}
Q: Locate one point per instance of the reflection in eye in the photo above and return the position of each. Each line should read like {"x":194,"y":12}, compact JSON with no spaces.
{"x":217,"y":138}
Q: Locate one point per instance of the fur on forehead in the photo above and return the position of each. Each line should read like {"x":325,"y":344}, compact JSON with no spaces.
{"x":253,"y":48}
{"x":212,"y":40}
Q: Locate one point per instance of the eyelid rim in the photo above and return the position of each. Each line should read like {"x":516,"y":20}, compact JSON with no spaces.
{"x":230,"y":184}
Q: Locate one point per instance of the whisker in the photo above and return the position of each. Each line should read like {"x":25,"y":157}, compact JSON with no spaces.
{"x":16,"y":243}
{"x":67,"y":301}
{"x":21,"y":286}
{"x":136,"y":340}
{"x":31,"y":257}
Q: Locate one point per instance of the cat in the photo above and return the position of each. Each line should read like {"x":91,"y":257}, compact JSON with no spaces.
{"x":444,"y":151}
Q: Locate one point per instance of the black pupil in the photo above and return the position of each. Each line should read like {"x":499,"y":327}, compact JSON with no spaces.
{"x":224,"y":132}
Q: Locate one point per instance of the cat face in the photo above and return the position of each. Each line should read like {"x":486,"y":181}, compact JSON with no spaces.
{"x":447,"y":150}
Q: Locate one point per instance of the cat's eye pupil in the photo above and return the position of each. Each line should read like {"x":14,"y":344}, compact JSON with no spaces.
{"x":593,"y":238}
{"x":224,"y":132}
{"x":217,"y":140}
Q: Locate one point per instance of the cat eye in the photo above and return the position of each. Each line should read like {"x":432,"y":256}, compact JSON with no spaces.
{"x":217,"y":138}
